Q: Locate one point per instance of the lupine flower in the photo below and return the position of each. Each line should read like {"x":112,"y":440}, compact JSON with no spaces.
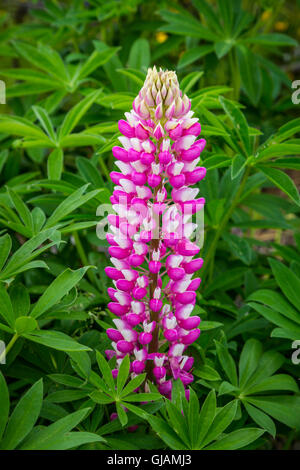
{"x":152,"y":256}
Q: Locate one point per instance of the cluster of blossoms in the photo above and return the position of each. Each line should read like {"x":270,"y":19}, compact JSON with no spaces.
{"x":153,"y":257}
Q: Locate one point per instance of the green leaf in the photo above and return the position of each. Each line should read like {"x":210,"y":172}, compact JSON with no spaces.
{"x":272,"y":39}
{"x":123,"y":374}
{"x":166,"y":433}
{"x":25,"y":325}
{"x":288,"y":282}
{"x":238,"y":164}
{"x":20,"y":300}
{"x":45,"y":58}
{"x":185,"y":25}
{"x":269,"y":363}
{"x":207,"y":415}
{"x":276,"y":382}
{"x":6,"y":309}
{"x":223,"y":47}
{"x":66,"y":396}
{"x":23,"y":417}
{"x":283,"y":182}
{"x":227,"y":362}
{"x":21,"y":208}
{"x":249,"y":358}
{"x":73,"y":117}
{"x":221,"y":422}
{"x":53,"y":436}
{"x":194,"y":422}
{"x":273,"y":150}
{"x":95,"y":60}
{"x":190,"y":80}
{"x":89,"y":172}
{"x":217,"y":161}
{"x":239,"y":247}
{"x":45,"y":121}
{"x":143,"y":397}
{"x":58,"y":289}
{"x":106,"y":372}
{"x":72,"y":440}
{"x":4,"y":400}
{"x":250,"y":73}
{"x":260,"y":418}
{"x":133,"y":384}
{"x":285,"y":409}
{"x":275,"y":301}
{"x":122,"y":415}
{"x":55,"y":164}
{"x":239,"y":121}
{"x":207,"y":373}
{"x":15,"y":125}
{"x":136,"y":76}
{"x":178,"y":422}
{"x":69,"y":204}
{"x":101,"y":398}
{"x":192,"y":55}
{"x":56,"y":340}
{"x":27,"y":252}
{"x":3,"y":159}
{"x":236,"y":439}
{"x":139,"y":56}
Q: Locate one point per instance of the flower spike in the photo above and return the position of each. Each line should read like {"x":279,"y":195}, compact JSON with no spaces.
{"x":154,"y":260}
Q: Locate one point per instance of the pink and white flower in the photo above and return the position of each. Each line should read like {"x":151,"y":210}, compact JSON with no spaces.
{"x":153,"y":201}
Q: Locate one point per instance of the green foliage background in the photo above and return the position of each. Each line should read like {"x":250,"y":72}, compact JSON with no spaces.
{"x":71,"y":69}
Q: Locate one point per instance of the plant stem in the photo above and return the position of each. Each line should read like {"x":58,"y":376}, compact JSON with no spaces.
{"x":8,"y":347}
{"x":211,"y":252}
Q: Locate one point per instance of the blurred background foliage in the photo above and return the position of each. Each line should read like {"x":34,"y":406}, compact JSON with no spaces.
{"x":71,"y":69}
